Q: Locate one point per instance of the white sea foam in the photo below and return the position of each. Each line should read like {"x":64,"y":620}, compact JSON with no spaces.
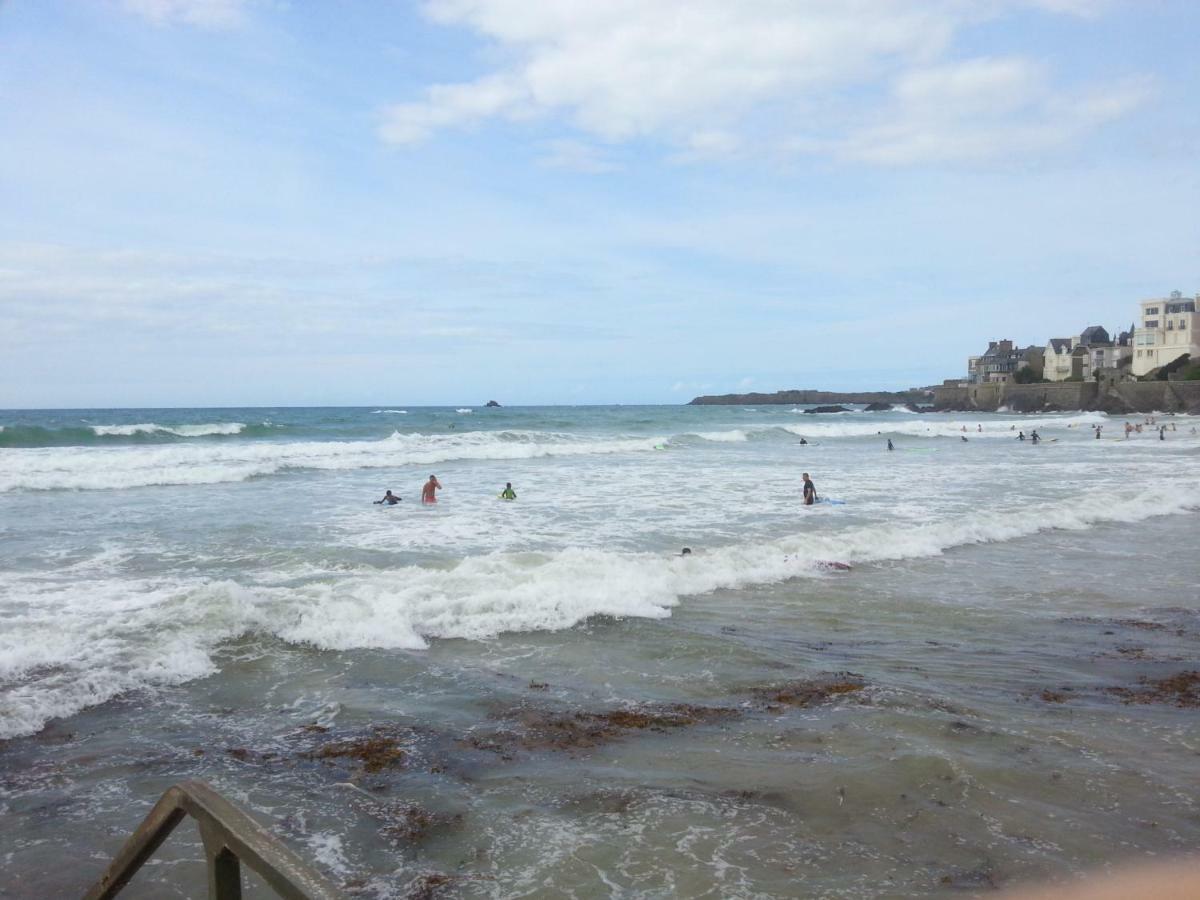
{"x":942,"y":426}
{"x":76,"y":643}
{"x":328,"y":851}
{"x":464,"y":410}
{"x":397,"y":412}
{"x":203,"y":430}
{"x":48,"y":468}
{"x":734,"y":436}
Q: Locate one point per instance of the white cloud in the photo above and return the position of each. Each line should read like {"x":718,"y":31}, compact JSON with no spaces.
{"x":980,"y":110}
{"x":712,"y":78}
{"x":213,"y":14}
{"x":576,"y":156}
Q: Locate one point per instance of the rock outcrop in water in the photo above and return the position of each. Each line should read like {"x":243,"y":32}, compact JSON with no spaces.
{"x":492,"y":403}
{"x":829,"y":409}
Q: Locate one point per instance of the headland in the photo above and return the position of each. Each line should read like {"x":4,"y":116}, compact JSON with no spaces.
{"x":811,"y":396}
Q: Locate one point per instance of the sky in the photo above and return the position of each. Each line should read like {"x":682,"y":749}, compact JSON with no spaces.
{"x":277,"y":202}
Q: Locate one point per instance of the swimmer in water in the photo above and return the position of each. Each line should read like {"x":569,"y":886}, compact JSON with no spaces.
{"x":428,"y":492}
{"x":810,"y":491}
{"x":508,"y":493}
{"x":389,"y":498}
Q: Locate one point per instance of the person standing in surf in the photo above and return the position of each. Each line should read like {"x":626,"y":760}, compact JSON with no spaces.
{"x":810,"y":491}
{"x":508,"y":493}
{"x":428,"y":494}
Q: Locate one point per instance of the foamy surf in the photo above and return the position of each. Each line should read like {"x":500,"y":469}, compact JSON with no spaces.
{"x":88,"y":468}
{"x":201,"y":430}
{"x":86,"y":642}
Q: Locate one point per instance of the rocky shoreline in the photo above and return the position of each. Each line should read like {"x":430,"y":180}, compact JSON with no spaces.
{"x":1114,"y":398}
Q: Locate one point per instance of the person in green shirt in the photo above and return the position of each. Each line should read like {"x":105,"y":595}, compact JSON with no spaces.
{"x":508,"y":493}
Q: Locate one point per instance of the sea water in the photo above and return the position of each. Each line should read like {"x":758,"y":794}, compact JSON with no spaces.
{"x":995,"y":690}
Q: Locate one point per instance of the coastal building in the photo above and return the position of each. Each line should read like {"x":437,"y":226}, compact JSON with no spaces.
{"x":1094,"y":349}
{"x":996,"y":365}
{"x":1056,"y":359}
{"x":1166,"y":329}
{"x":1079,"y":357}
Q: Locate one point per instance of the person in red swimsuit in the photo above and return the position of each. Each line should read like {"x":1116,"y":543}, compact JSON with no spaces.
{"x":428,"y":494}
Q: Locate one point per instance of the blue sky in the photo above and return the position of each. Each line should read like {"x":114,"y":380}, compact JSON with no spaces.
{"x":228,"y":202}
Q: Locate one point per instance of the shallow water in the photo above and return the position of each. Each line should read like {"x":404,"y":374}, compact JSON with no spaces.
{"x":579,"y":711}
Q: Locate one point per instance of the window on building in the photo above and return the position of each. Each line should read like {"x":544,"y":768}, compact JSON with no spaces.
{"x":1152,"y":323}
{"x":1151,"y":310}
{"x":1170,"y":324}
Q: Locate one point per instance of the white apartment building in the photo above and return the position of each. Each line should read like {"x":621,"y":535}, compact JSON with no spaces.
{"x":1166,"y":329}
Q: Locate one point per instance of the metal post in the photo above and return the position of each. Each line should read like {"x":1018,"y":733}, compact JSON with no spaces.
{"x":224,"y":869}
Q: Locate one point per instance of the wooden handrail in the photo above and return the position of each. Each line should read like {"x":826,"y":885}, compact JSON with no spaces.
{"x":230,"y":837}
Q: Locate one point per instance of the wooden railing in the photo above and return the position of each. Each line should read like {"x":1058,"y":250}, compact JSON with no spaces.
{"x":230,"y":838}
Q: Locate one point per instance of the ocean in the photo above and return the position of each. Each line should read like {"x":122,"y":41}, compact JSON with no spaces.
{"x":975,"y":665}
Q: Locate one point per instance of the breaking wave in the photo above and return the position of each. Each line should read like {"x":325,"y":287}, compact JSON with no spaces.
{"x":178,"y":430}
{"x":71,"y":647}
{"x":18,"y":436}
{"x":91,"y":468}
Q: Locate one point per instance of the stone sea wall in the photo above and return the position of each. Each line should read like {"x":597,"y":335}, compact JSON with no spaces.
{"x":1117,"y":398}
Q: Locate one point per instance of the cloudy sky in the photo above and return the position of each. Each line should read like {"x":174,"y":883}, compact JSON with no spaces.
{"x":224,"y":202}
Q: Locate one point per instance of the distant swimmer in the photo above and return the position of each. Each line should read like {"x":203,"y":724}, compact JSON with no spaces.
{"x":686,"y":551}
{"x":890,"y":447}
{"x":963,"y":438}
{"x":1098,"y":432}
{"x":836,"y":566}
{"x":803,"y":441}
{"x":428,"y":494}
{"x":1020,"y":435}
{"x":1033,"y":436}
{"x":810,"y":491}
{"x":389,"y":498}
{"x":508,"y":493}
{"x":979,"y":428}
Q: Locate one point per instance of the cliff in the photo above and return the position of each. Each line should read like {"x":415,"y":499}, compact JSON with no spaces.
{"x":810,"y":397}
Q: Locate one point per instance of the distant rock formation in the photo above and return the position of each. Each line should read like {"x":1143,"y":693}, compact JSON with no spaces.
{"x":829,"y":409}
{"x":492,"y":403}
{"x":878,"y":407}
{"x":803,"y":398}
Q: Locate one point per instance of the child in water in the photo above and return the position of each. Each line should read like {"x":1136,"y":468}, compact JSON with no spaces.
{"x":508,"y":493}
